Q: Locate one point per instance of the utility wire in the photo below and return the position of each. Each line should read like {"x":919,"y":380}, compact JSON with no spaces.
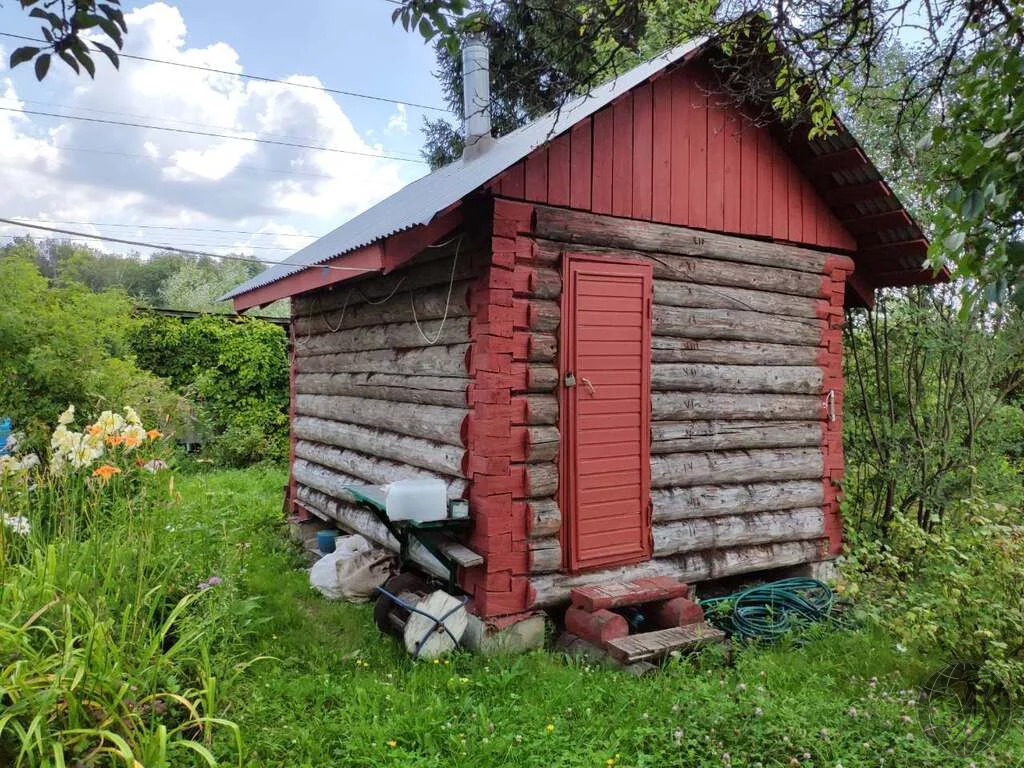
{"x":259,"y":78}
{"x":212,"y":134}
{"x":160,"y":247}
{"x":177,"y":228}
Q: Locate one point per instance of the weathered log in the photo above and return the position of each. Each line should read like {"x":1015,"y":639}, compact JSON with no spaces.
{"x":357,"y":520}
{"x":551,"y":589}
{"x":542,"y":444}
{"x":541,"y":479}
{"x":543,"y":517}
{"x":425,"y":454}
{"x":423,"y":361}
{"x":714,"y":500}
{"x":431,"y":422}
{"x":543,"y":348}
{"x":582,"y":227}
{"x":431,"y":304}
{"x":687,"y":269}
{"x":700,"y":377}
{"x":543,"y":315}
{"x":371,"y":469}
{"x":541,"y":409}
{"x":546,"y":283}
{"x":681,"y":436}
{"x":545,"y":555}
{"x":429,"y":390}
{"x":541,"y":377}
{"x":719,"y":468}
{"x":671,"y":349}
{"x":454,"y":330}
{"x":689,"y":406}
{"x":676,"y":294}
{"x":435,"y":272}
{"x":738,"y":530}
{"x":735,"y":324}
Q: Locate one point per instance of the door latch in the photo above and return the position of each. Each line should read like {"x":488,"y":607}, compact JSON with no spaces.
{"x":570,"y":380}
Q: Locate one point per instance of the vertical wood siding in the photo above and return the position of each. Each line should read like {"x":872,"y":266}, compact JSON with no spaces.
{"x":673,"y":151}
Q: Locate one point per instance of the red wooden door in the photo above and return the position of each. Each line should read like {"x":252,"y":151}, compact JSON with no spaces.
{"x":606,"y":469}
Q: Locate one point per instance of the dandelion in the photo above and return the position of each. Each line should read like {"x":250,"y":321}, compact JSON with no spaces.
{"x":677,"y":735}
{"x":392,"y":743}
{"x":106,"y":472}
{"x":67,"y":417}
{"x":550,"y":727}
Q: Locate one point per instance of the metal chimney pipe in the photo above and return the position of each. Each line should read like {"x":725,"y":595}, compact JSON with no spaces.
{"x":476,"y":96}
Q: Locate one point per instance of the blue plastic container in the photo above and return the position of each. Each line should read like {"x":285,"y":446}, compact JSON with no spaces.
{"x":325,"y":541}
{"x":5,"y":432}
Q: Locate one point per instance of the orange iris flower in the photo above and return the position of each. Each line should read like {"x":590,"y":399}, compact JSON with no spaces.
{"x":106,"y":472}
{"x":153,"y":434}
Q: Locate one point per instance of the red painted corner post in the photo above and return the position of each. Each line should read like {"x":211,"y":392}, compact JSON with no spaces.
{"x":830,"y":358}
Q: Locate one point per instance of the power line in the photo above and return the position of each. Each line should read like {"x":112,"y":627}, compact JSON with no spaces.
{"x":211,"y":134}
{"x":259,"y":78}
{"x":179,"y":228}
{"x":160,"y":247}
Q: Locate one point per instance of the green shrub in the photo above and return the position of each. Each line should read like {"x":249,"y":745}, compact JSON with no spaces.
{"x":66,"y":345}
{"x":952,"y":592}
{"x":236,"y":371}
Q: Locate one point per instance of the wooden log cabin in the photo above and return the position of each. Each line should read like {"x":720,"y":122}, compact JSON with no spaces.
{"x":616,"y":332}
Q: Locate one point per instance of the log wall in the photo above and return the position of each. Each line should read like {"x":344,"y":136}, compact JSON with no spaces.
{"x":745,"y":349}
{"x":380,"y":375}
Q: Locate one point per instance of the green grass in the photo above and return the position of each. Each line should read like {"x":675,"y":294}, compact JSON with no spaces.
{"x":841,"y":698}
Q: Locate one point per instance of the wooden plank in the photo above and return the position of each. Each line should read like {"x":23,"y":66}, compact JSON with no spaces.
{"x":747,"y":137}
{"x":765,"y":144}
{"x":731,"y":168}
{"x":715,"y":500}
{"x":681,"y":127}
{"x":697,"y":165}
{"x":652,"y":646}
{"x":669,"y":349}
{"x":513,"y":182}
{"x":604,"y":140}
{"x":643,"y":151}
{"x":537,"y":175}
{"x":461,"y":554}
{"x":622,"y":156}
{"x":559,"y":171}
{"x":726,"y":467}
{"x":593,"y":597}
{"x":661,"y":154}
{"x":581,"y":165}
{"x":780,"y":194}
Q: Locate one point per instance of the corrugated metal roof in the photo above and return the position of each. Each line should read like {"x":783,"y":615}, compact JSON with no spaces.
{"x":418,"y":202}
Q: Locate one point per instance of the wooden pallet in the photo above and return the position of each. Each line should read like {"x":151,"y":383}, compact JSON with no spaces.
{"x":651,"y":646}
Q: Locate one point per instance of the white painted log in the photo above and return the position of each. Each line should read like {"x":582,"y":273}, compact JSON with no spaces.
{"x":571,"y":226}
{"x":713,"y":500}
{"x":673,"y":349}
{"x":689,"y":406}
{"x":542,"y":444}
{"x":725,"y":467}
{"x":738,"y":530}
{"x":678,"y":294}
{"x":371,"y":470}
{"x":551,"y":589}
{"x":454,"y":330}
{"x":431,"y":422}
{"x":543,"y":518}
{"x":357,"y":520}
{"x":703,"y":377}
{"x":735,"y":324}
{"x":429,"y":390}
{"x":431,"y":304}
{"x":545,"y":555}
{"x":541,"y":409}
{"x":681,"y":436}
{"x":426,"y":361}
{"x":706,"y":271}
{"x":425,"y":454}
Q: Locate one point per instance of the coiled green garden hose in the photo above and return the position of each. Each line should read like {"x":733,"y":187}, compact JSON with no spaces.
{"x":768,"y":611}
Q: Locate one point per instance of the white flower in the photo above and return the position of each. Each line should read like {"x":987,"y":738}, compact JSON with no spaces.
{"x":110,"y":422}
{"x":131,"y":416}
{"x":68,"y":416}
{"x":134,"y":436}
{"x":17,"y":523}
{"x":29,"y":461}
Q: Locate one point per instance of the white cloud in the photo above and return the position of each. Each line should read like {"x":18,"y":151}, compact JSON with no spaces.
{"x":399,"y":121}
{"x":144,"y":175}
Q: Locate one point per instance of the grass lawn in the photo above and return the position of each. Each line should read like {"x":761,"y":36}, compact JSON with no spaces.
{"x":333,"y":691}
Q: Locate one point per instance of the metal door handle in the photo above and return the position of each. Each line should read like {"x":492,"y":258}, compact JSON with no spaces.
{"x":587,"y":384}
{"x":830,"y":405}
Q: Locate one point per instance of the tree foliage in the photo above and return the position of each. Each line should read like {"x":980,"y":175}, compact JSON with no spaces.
{"x":65,"y":27}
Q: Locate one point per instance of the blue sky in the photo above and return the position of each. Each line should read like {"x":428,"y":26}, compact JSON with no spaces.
{"x":56,"y":169}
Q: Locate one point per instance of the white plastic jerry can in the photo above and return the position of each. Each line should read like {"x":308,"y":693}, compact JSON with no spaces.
{"x":418,"y":500}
